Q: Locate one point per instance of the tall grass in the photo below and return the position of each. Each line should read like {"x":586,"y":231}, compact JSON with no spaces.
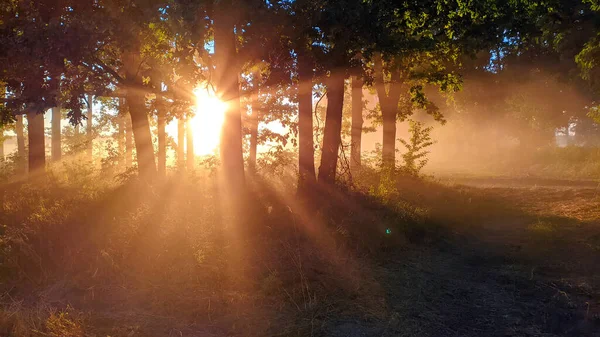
{"x":81,"y":242}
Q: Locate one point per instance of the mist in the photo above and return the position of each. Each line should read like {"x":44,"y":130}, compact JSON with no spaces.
{"x":252,"y":168}
{"x":532,"y":125}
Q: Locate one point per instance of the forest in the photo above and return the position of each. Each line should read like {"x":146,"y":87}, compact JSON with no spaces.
{"x":299,"y":168}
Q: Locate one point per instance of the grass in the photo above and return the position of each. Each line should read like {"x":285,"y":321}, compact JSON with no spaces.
{"x":557,"y":163}
{"x":85,"y":256}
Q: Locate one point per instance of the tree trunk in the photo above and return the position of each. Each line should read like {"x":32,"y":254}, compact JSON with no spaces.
{"x":162,"y":141}
{"x":141,"y":136}
{"x":388,"y":101}
{"x":88,"y":129}
{"x":2,"y":95}
{"x":332,"y":132}
{"x":181,"y":143}
{"x":128,"y":140}
{"x":121,"y":133}
{"x":253,"y":132}
{"x":136,"y":103}
{"x":357,"y":123}
{"x":189,"y":139}
{"x":232,"y":159}
{"x":37,"y":147}
{"x":56,"y":134}
{"x":306,"y":148}
{"x":1,"y":145}
{"x":389,"y":136}
{"x":20,"y":143}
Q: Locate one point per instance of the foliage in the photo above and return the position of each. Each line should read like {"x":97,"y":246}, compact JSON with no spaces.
{"x":110,"y":161}
{"x":277,"y":163}
{"x":182,"y":255}
{"x":415,"y":157}
{"x":594,"y":114}
{"x":386,"y":190}
{"x":61,"y":325}
{"x":9,"y":167}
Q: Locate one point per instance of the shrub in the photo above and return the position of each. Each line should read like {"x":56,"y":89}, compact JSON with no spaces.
{"x":415,"y":157}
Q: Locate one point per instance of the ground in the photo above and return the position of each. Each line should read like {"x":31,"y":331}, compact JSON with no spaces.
{"x":487,"y":257}
{"x":530,"y":271}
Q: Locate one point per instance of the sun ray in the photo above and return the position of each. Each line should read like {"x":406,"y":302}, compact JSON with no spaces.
{"x":209,"y":113}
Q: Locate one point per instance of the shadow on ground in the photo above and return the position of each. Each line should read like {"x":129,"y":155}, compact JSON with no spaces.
{"x":529,"y":269}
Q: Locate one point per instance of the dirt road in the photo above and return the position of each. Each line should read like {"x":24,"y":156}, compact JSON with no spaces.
{"x":530,"y":270}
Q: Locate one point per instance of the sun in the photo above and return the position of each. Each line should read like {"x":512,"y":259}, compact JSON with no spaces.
{"x":207,"y":121}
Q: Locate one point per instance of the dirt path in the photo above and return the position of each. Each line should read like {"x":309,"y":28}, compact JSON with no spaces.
{"x":523,"y":182}
{"x":534,"y":272}
{"x":436,"y":293}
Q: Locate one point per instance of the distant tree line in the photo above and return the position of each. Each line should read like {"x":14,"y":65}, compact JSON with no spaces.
{"x":268,"y":59}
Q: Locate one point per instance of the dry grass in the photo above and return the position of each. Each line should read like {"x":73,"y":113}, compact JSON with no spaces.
{"x":170,"y":260}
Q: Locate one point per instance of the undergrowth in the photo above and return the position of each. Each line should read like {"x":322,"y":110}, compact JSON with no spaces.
{"x":75,"y":245}
{"x":82,"y":255}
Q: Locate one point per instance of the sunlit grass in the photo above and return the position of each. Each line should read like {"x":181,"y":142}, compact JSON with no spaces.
{"x":175,"y":253}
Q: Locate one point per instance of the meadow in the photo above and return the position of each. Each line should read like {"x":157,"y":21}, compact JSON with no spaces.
{"x":83,"y":255}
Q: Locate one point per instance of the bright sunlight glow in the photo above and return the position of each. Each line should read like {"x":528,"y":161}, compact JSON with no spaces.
{"x":207,"y":121}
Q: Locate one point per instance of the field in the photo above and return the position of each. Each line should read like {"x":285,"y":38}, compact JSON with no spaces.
{"x":432,"y":258}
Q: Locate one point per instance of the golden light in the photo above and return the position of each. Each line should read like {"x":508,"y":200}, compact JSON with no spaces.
{"x":207,"y":121}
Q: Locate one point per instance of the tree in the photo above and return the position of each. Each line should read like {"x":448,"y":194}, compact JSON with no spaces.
{"x":2,"y":127}
{"x":400,"y":82}
{"x":333,"y":128}
{"x":28,"y":71}
{"x":421,"y":50}
{"x":189,"y":142}
{"x":181,"y":143}
{"x":306,"y":156}
{"x":575,"y":35}
{"x":162,"y":138}
{"x":284,"y":42}
{"x":523,"y":89}
{"x":106,"y":52}
{"x":20,"y":142}
{"x":159,"y":106}
{"x":136,"y":105}
{"x":268,"y":99}
{"x":128,"y":140}
{"x":37,"y":147}
{"x":56,"y":134}
{"x":3,"y":138}
{"x":338,"y":32}
{"x":343,"y":30}
{"x":254,"y":120}
{"x":121,"y":133}
{"x":88,"y":129}
{"x":357,"y":123}
{"x":389,"y":100}
{"x":228,"y":91}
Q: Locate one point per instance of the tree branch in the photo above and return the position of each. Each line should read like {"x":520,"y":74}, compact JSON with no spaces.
{"x":379,"y":82}
{"x":110,"y":70}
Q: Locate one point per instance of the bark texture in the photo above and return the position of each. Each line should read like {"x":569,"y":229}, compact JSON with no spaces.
{"x":228,"y":89}
{"x":37,"y":146}
{"x":306,"y":147}
{"x":332,"y":132}
{"x":357,"y":123}
{"x":56,"y":134}
{"x":136,"y":103}
{"x":88,"y":129}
